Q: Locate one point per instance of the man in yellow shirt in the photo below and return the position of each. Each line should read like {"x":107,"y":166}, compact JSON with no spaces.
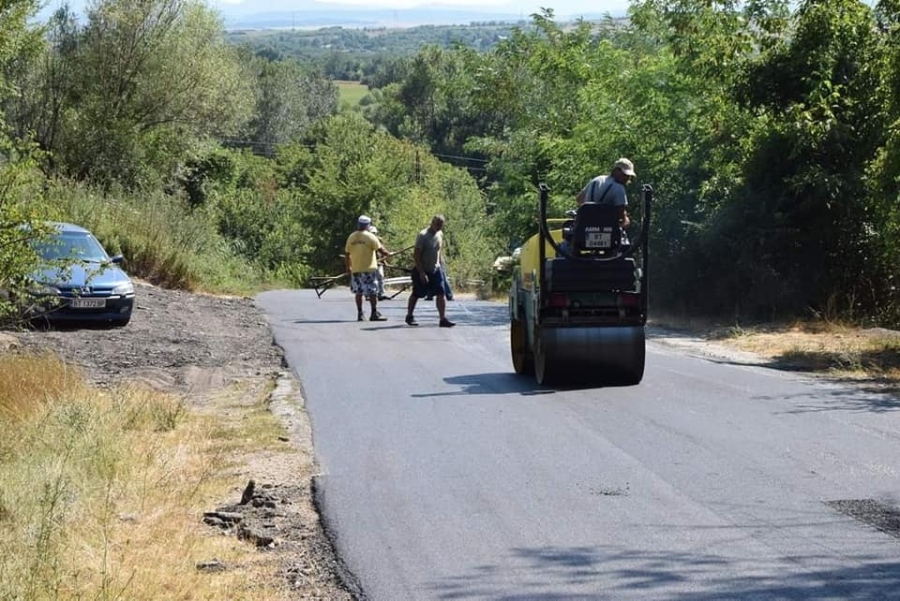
{"x":361,"y":257}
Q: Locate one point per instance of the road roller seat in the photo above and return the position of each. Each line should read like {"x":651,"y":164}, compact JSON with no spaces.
{"x":595,"y":229}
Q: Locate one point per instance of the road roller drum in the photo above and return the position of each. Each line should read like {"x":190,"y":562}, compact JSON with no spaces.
{"x":584,"y":355}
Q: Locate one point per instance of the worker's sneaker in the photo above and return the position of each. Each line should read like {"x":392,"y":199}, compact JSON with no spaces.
{"x":446,"y":323}
{"x":411,"y":321}
{"x":360,"y":316}
{"x":376,"y":316}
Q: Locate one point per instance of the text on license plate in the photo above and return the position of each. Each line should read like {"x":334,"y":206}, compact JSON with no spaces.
{"x":598,"y":240}
{"x":87,"y":303}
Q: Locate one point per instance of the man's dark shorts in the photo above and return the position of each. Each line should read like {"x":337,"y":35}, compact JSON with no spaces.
{"x":433,"y":287}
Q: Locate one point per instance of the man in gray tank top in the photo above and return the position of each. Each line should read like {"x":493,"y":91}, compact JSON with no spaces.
{"x":428,"y":274}
{"x":610,"y":189}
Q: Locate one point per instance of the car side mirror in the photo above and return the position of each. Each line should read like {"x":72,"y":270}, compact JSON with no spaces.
{"x":118,"y":259}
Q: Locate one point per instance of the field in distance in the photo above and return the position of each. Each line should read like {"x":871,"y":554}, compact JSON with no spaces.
{"x":351,"y":92}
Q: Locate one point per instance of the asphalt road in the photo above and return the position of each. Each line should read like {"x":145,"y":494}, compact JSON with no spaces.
{"x":446,"y":476}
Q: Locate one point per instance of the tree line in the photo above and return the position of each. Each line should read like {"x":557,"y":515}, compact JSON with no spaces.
{"x":142,"y":123}
{"x":766,"y":129}
{"x":356,"y":54}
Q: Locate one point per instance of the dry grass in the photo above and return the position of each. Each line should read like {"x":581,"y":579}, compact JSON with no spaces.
{"x":818,"y":346}
{"x":26,"y":384}
{"x":102,"y":492}
{"x":835,"y":349}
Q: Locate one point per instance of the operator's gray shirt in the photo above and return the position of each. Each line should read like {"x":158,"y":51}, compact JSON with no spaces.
{"x":429,"y":245}
{"x":604,"y":189}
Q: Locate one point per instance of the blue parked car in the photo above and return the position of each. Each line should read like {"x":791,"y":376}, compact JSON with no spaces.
{"x":78,"y":282}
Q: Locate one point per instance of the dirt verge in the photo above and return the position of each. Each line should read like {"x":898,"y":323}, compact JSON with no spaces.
{"x":198,"y":345}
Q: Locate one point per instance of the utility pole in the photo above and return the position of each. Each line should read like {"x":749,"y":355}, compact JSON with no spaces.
{"x":418,"y":169}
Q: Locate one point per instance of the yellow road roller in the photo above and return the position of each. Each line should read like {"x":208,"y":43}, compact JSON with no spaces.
{"x":578,"y":300}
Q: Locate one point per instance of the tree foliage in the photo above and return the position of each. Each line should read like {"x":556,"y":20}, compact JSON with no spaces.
{"x":768,"y":131}
{"x":289,"y":99}
{"x":128,"y":95}
{"x":295,"y":219}
{"x":20,"y":180}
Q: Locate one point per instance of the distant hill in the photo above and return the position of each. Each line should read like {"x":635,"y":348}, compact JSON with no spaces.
{"x":309,"y":14}
{"x":263,"y":14}
{"x":308,"y":19}
{"x":345,"y":52}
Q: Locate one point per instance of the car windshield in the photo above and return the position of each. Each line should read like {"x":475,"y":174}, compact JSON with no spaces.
{"x":72,"y":246}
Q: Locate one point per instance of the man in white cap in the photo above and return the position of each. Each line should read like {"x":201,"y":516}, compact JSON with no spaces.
{"x":610,"y":189}
{"x":361,"y":257}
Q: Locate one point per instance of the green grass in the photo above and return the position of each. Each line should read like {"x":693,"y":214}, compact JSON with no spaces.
{"x":351,"y":92}
{"x":163,"y":240}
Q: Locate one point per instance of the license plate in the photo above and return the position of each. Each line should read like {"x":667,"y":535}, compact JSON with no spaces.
{"x":88,"y":303}
{"x":598,"y":240}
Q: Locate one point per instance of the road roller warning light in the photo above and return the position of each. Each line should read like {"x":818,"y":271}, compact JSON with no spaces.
{"x":578,"y":300}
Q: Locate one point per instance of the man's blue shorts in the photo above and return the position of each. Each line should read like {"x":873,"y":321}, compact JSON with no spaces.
{"x":365,"y":283}
{"x":433,"y":287}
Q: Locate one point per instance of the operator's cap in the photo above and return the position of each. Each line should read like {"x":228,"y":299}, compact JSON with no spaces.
{"x":363,"y":220}
{"x":373,"y":229}
{"x":626,"y":166}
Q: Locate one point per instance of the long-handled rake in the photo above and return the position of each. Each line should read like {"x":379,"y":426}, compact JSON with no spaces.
{"x":321,"y":283}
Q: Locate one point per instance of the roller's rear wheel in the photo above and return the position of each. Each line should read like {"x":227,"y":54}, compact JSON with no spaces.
{"x":523,"y":360}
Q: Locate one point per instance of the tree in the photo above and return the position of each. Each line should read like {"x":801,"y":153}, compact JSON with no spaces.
{"x":149,"y":83}
{"x":19,"y":179}
{"x":821,"y":114}
{"x":289,"y":100}
{"x":44,"y":81}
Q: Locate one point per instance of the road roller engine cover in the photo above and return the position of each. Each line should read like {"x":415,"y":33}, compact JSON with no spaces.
{"x":578,"y":300}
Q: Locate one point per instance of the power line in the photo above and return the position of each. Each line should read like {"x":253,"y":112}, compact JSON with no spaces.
{"x":450,"y":156}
